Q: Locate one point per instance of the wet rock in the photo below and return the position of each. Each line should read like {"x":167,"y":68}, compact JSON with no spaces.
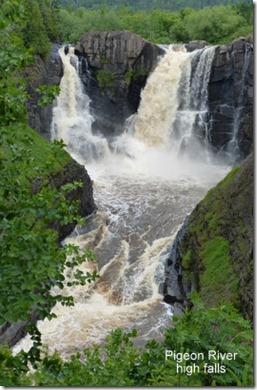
{"x":231,"y":96}
{"x":173,"y":289}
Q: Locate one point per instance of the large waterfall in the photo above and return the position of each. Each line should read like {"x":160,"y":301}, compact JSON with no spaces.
{"x":144,"y":186}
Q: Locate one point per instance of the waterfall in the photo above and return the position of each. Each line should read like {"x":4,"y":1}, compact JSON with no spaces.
{"x":191,"y":127}
{"x":159,"y":100}
{"x":173,"y":111}
{"x":72,"y":120}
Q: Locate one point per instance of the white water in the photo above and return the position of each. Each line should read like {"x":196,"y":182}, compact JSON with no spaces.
{"x":143,"y":192}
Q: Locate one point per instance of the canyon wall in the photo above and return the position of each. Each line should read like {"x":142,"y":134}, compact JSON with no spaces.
{"x":213,"y":251}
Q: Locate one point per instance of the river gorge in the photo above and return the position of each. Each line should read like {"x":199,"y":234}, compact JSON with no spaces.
{"x":146,"y":181}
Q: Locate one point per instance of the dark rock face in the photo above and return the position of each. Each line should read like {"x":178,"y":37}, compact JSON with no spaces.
{"x":48,"y":72}
{"x":231,"y":97}
{"x":173,"y":290}
{"x":70,"y":173}
{"x":11,"y":333}
{"x":115,"y":66}
{"x":223,"y":217}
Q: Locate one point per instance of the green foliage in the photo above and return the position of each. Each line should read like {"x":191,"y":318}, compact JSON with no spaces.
{"x":218,"y":238}
{"x":221,"y":329}
{"x":35,"y":33}
{"x":13,"y":369}
{"x":148,"y":5}
{"x":218,"y":272}
{"x":105,"y":78}
{"x":186,"y":260}
{"x":31,"y":259}
{"x":215,"y":23}
{"x":50,"y":15}
{"x":48,"y":94}
{"x":119,"y":363}
{"x":13,"y":56}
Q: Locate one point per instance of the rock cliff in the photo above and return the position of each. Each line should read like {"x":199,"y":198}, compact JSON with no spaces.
{"x":119,"y":63}
{"x":213,"y":252}
{"x":42,"y":72}
{"x":231,"y":98}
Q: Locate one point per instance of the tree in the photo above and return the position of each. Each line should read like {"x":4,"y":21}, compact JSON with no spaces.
{"x":216,"y":25}
{"x":35,"y":33}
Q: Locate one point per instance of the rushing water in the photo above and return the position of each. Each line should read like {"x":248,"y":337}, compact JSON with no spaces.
{"x":143,"y":190}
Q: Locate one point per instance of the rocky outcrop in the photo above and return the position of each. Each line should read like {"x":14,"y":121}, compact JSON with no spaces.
{"x":115,"y":66}
{"x":231,"y":98}
{"x":173,"y":289}
{"x":42,"y":72}
{"x":213,"y":253}
{"x":72,"y":172}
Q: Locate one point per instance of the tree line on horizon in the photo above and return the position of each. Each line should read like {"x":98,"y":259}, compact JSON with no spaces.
{"x":149,"y":5}
{"x":217,"y":24}
{"x":50,"y":22}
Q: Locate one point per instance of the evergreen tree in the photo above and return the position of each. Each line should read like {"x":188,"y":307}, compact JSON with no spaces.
{"x":35,"y":33}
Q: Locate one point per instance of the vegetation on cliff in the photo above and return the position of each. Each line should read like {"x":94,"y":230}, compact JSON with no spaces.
{"x":217,"y":249}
